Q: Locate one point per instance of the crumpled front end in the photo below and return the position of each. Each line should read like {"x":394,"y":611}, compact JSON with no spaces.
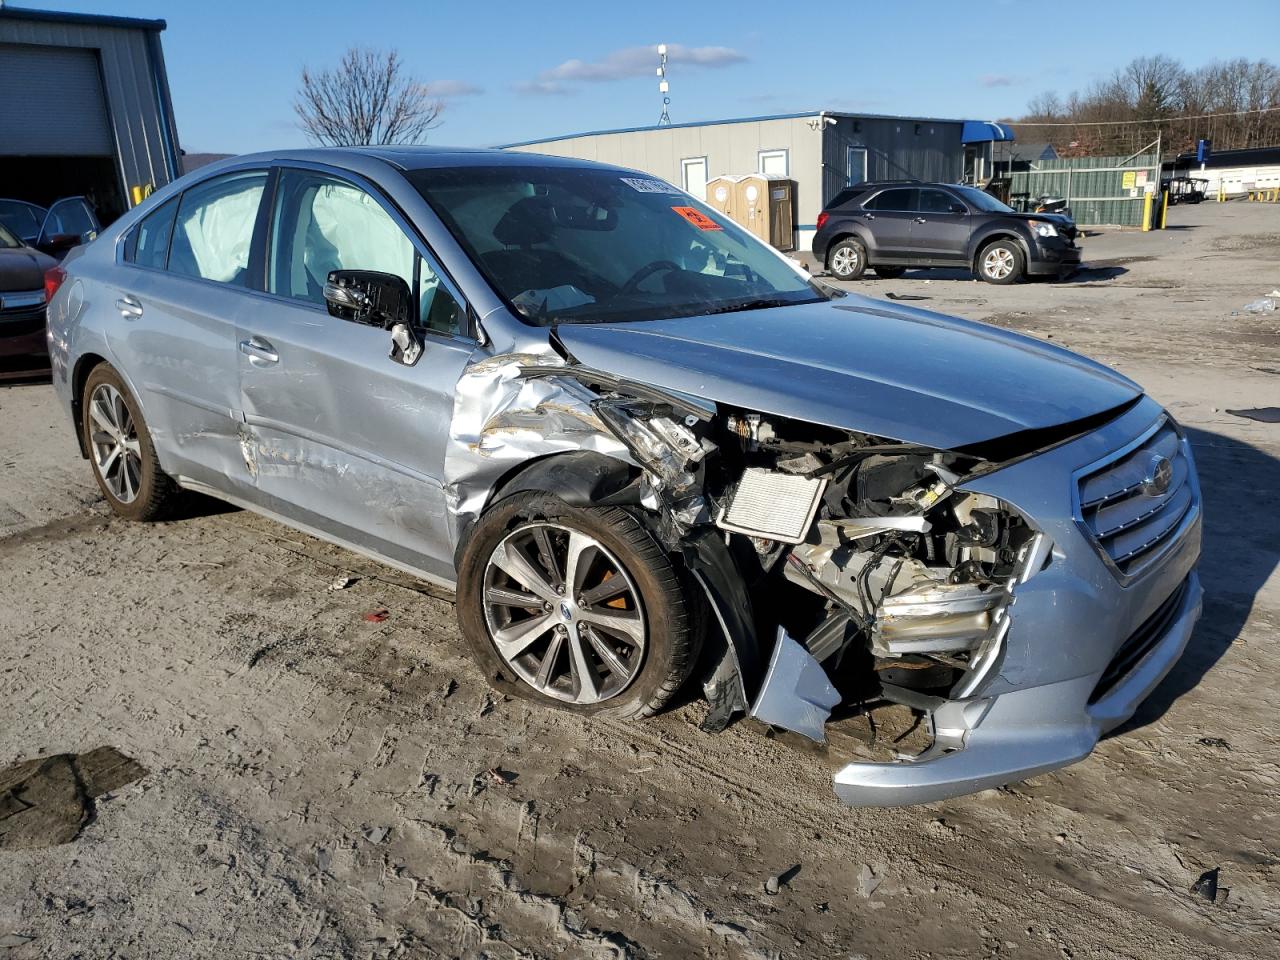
{"x":1022,"y":596}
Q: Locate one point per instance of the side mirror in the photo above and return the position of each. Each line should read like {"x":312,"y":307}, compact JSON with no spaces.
{"x":370,"y":297}
{"x":379,"y":300}
{"x":959,"y":208}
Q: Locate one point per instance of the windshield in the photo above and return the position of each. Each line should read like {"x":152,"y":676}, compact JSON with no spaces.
{"x":577,"y":244}
{"x":983,"y":201}
{"x":7,"y":239}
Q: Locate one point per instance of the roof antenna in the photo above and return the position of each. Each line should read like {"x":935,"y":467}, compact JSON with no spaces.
{"x":663,"y":87}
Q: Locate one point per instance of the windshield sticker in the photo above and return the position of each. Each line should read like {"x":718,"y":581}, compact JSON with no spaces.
{"x":697,"y":218}
{"x":649,"y":186}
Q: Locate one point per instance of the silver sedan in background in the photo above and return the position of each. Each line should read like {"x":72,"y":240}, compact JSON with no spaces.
{"x":640,"y":443}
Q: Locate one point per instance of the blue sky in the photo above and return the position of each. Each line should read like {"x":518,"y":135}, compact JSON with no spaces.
{"x":520,"y":70}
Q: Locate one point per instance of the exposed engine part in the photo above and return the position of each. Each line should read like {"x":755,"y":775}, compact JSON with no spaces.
{"x":773,"y":505}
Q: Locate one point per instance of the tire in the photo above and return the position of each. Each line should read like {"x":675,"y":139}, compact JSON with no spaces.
{"x":654,"y":594}
{"x":1001,"y":262}
{"x":890,"y":273}
{"x":847,"y":260}
{"x":133,"y":483}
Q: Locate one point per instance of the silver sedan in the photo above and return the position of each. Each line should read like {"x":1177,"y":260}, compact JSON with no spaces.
{"x":644,"y":447}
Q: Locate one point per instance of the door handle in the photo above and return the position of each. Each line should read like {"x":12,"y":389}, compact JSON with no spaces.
{"x":871,"y":216}
{"x":129,"y":307}
{"x":921,"y":220}
{"x":259,"y":351}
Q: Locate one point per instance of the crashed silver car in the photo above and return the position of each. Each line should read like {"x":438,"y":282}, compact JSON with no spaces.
{"x":641,"y":444}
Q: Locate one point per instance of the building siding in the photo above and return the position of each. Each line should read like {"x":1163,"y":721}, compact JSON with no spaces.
{"x":141,"y":121}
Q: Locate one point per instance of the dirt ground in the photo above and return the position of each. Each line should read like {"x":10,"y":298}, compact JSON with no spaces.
{"x":317,"y":785}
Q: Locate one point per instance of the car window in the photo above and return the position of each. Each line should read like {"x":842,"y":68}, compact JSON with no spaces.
{"x":937,"y":201}
{"x":213,"y":230}
{"x":902,"y":200}
{"x":845,"y":195}
{"x":7,"y":239}
{"x":21,"y":218}
{"x":323,"y":224}
{"x":71,"y":217}
{"x":148,"y":245}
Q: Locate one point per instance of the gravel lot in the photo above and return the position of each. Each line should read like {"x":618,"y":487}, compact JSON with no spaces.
{"x":318,"y":785}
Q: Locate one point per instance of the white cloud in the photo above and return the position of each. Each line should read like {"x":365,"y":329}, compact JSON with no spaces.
{"x":452,"y":89}
{"x":627,"y":63}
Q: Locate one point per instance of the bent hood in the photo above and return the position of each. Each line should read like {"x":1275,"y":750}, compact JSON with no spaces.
{"x":859,"y":364}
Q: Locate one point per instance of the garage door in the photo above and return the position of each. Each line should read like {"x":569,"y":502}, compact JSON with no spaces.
{"x":56,"y":107}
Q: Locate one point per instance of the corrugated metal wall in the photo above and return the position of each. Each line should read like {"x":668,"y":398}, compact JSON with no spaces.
{"x":896,"y":149}
{"x":140,"y":119}
{"x":1101,"y":191}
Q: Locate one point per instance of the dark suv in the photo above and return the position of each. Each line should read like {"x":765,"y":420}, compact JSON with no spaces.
{"x":892,"y":226}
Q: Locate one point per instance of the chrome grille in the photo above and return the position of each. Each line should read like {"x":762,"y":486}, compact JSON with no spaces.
{"x":1134,"y":503}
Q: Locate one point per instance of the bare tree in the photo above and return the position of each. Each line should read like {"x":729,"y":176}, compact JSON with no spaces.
{"x":367,"y":99}
{"x":1235,"y":103}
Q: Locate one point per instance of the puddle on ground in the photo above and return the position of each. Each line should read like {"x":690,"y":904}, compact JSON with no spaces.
{"x":49,"y":800}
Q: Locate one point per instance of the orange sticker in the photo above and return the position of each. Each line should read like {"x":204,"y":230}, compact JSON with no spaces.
{"x":697,"y":218}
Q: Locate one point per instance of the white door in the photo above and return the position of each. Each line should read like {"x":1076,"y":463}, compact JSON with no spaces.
{"x":694,"y":173}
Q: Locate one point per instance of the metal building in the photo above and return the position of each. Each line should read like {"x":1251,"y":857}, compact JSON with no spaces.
{"x":84,"y":109}
{"x":822,"y":151}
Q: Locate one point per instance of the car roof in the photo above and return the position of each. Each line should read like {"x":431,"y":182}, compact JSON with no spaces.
{"x":421,"y":157}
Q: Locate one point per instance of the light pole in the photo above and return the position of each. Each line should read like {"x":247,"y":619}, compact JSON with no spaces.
{"x":663,"y":87}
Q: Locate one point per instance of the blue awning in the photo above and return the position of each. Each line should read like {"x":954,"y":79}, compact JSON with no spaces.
{"x":982,"y":131}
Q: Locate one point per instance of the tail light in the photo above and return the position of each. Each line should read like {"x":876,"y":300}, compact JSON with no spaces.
{"x":53,"y":278}
{"x":823,"y":217}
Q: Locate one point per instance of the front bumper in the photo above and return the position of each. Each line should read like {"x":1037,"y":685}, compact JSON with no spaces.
{"x":982,"y":743}
{"x":1068,"y":671}
{"x":1053,"y":258}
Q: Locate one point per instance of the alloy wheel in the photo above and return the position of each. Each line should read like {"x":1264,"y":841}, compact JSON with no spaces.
{"x":117,"y":452}
{"x":998,"y":263}
{"x":563,"y":613}
{"x":844,"y":261}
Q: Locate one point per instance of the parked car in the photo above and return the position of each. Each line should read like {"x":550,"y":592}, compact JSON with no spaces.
{"x":23,"y":268}
{"x":623,"y":428}
{"x":895,"y":225}
{"x":68,"y":222}
{"x":22,"y":219}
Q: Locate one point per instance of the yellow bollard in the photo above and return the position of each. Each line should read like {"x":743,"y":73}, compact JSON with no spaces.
{"x":137,"y":194}
{"x":1146,"y":212}
{"x":1164,"y":207}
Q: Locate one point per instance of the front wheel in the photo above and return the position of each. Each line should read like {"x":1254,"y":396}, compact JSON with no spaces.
{"x":847,"y":259}
{"x":1002,"y":262}
{"x":575,"y":607}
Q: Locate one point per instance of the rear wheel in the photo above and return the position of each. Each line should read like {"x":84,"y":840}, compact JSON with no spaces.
{"x":890,"y":273}
{"x":575,"y":607}
{"x":1002,"y":262}
{"x":847,"y":260}
{"x":120,"y":449}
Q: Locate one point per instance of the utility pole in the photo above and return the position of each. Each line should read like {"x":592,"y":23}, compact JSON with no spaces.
{"x":663,"y":87}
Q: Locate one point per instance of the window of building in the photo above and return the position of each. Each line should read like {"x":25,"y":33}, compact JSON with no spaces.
{"x":693,"y":173}
{"x":773,"y":163}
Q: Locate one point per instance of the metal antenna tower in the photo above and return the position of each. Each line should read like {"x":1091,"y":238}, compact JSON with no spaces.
{"x":663,"y":87}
